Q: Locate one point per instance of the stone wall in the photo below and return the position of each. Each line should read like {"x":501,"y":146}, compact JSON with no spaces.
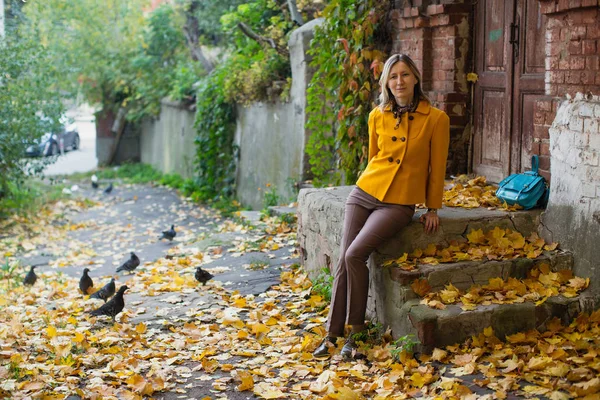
{"x":573,"y":214}
{"x":572,"y":64}
{"x":167,"y":142}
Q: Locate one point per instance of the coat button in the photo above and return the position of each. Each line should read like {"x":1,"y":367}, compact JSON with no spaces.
{"x":403,"y":139}
{"x":410,"y":117}
{"x":398,"y":161}
{"x":394,"y":138}
{"x":390,"y":159}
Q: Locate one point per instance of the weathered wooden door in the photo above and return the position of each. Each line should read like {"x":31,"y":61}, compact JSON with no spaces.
{"x":509,"y":60}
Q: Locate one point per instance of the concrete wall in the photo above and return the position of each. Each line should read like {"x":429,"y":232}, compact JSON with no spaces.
{"x":271,"y":136}
{"x":572,"y":217}
{"x":167,"y":143}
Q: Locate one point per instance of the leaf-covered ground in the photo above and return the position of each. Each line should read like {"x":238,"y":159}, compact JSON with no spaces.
{"x":179,"y":339}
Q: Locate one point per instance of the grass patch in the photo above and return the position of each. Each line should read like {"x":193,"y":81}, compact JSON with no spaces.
{"x":323,"y":283}
{"x":29,"y":196}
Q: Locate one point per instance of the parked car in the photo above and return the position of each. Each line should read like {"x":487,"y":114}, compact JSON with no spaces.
{"x":53,"y":143}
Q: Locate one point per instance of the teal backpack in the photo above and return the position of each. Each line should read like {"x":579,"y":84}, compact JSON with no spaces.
{"x":528,"y":189}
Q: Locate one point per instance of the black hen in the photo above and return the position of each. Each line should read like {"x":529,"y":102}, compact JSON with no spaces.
{"x":202,"y":276}
{"x":109,"y":188}
{"x":130,"y":264}
{"x":105,"y":291}
{"x":31,"y":277}
{"x":85,"y":282}
{"x":113,"y":307}
{"x":170,"y":234}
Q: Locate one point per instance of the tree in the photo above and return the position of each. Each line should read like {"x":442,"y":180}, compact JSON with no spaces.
{"x":27,"y":92}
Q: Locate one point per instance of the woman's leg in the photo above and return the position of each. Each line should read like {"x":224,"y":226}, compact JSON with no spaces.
{"x":356,"y":214}
{"x":383,"y":223}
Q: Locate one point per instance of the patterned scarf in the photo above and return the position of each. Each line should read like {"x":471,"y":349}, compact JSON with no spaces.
{"x":399,"y":111}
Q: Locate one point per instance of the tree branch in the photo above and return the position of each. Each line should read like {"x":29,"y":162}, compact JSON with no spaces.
{"x":246,"y":30}
{"x":192,"y":35}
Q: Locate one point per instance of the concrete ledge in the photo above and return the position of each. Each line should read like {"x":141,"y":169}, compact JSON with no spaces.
{"x":438,"y":328}
{"x":467,"y":273}
{"x":321,"y":216}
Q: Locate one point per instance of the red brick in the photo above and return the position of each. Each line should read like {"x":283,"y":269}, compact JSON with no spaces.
{"x":555,"y":105}
{"x":431,"y":9}
{"x":437,"y":20}
{"x":589,"y":47}
{"x":590,"y":17}
{"x":539,"y":117}
{"x":577,"y":63}
{"x":546,"y":175}
{"x":553,"y":35}
{"x":562,"y":5}
{"x":406,"y":12}
{"x":421,"y":22}
{"x":414,"y":12}
{"x":554,"y":22}
{"x":577,"y":32}
{"x":553,"y":62}
{"x":573,"y":77}
{"x":564,"y":64}
{"x":575,"y":17}
{"x":547,"y":7}
{"x":409,"y":23}
{"x":544,"y":161}
{"x":590,"y":3}
{"x":535,"y":148}
{"x":593,"y":31}
{"x":588,"y":77}
{"x":541,"y":131}
{"x":592,"y":63}
{"x":574,"y":47}
{"x":556,"y":76}
{"x":543,"y":105}
{"x":549,"y":118}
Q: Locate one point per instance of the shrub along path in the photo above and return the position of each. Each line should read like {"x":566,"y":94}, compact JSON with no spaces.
{"x":248,"y":333}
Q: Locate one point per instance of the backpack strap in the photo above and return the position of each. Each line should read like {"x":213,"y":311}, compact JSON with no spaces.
{"x":535,"y":163}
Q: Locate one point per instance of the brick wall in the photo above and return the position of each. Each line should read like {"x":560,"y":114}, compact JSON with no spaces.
{"x":438,"y":38}
{"x":572,"y":63}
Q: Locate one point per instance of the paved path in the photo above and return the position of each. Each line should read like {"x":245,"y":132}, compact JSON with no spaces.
{"x":130,"y":219}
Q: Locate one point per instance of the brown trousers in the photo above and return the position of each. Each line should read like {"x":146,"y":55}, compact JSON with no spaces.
{"x":368,"y":223}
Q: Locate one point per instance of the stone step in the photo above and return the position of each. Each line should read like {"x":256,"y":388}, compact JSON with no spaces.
{"x":438,"y":328}
{"x":321,"y":216}
{"x":464,"y":274}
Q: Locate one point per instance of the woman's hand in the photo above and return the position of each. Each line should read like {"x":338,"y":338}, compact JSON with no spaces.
{"x":431,"y":221}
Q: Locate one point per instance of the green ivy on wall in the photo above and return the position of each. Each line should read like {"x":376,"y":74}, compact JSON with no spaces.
{"x":340,"y":96}
{"x":215,"y":148}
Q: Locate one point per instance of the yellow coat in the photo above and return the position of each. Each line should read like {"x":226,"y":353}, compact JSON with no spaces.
{"x":407,"y":165}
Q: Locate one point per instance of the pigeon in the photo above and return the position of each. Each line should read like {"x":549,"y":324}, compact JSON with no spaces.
{"x":109,"y":188}
{"x":113,"y":307}
{"x":85,"y":282}
{"x":202,"y":276}
{"x":105,"y":291}
{"x":94,"y":181}
{"x":130,"y":264}
{"x":31,"y":277}
{"x":170,"y":234}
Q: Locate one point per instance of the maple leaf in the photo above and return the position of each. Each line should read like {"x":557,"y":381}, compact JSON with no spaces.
{"x":431,"y":250}
{"x":421,"y":286}
{"x":247,"y":380}
{"x":476,"y":237}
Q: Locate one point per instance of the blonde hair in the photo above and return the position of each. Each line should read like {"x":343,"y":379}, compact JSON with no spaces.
{"x":386,"y":97}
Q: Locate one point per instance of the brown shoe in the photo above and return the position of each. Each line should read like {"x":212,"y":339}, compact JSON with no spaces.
{"x":323,"y":350}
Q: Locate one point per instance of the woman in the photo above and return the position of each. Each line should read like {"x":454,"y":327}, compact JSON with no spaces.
{"x":408,"y":148}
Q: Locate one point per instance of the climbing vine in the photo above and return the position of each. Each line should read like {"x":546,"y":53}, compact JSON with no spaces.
{"x":348,"y":59}
{"x":215,"y":148}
